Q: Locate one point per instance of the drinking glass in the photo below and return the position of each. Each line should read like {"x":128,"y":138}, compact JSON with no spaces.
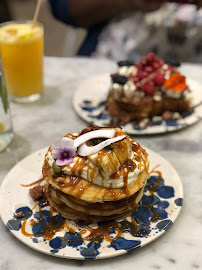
{"x":21,"y":46}
{"x":6,"y":133}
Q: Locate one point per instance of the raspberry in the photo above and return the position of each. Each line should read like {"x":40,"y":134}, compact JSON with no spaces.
{"x":158,"y":79}
{"x":140,"y":75}
{"x":139,"y":66}
{"x":170,"y":68}
{"x":150,"y":57}
{"x":155,"y":65}
{"x":149,"y":89}
{"x":135,"y":80}
{"x":161,"y":62}
{"x":144,"y":74}
{"x":143,"y":61}
{"x":126,"y":63}
{"x":148,"y":69}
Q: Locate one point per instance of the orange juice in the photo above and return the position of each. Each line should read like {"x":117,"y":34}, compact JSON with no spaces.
{"x":21,"y":46}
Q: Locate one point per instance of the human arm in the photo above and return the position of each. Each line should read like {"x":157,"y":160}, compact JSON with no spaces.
{"x":87,"y":13}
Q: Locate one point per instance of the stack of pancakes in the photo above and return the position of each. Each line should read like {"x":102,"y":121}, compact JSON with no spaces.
{"x":146,"y":89}
{"x":102,"y":186}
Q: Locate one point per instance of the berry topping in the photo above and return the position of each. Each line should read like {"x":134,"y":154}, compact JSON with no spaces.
{"x":140,"y":75}
{"x":150,"y":57}
{"x":155,"y":65}
{"x":143,"y":60}
{"x":139,"y":65}
{"x":171,"y":68}
{"x":135,"y":80}
{"x":149,"y":89}
{"x":158,"y":79}
{"x":119,"y":79}
{"x":172,"y":59}
{"x":148,"y":69}
{"x":126,"y":63}
{"x":161,"y":62}
{"x":144,"y":74}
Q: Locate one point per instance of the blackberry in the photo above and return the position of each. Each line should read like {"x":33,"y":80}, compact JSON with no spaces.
{"x":119,"y":79}
{"x":171,"y":58}
{"x":126,"y":63}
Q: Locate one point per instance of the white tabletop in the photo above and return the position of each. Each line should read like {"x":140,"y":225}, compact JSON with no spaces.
{"x":37,"y":125}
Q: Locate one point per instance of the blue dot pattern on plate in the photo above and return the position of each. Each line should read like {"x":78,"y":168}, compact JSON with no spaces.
{"x":97,"y":113}
{"x":152,"y":204}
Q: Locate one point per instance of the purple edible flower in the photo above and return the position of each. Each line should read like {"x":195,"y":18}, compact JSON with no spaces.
{"x":63,"y":151}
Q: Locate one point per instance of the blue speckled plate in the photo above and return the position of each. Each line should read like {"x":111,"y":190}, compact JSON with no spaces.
{"x":91,"y":93}
{"x":166,"y":201}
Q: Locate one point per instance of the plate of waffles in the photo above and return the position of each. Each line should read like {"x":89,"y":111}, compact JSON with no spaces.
{"x":148,"y":97}
{"x":91,"y":195}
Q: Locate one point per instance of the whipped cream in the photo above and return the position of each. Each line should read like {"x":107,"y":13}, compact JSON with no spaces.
{"x":98,"y":175}
{"x":127,"y":70}
{"x":177,"y":94}
{"x":129,"y":89}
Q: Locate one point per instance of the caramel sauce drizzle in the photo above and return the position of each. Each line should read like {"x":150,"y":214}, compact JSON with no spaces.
{"x":24,"y":224}
{"x":48,"y":230}
{"x":34,"y":183}
{"x":124,"y":170}
{"x":154,"y":186}
{"x":79,"y":166}
{"x":103,"y":231}
{"x":156,"y":215}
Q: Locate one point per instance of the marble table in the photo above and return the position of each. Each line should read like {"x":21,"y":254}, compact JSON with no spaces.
{"x":37,"y":125}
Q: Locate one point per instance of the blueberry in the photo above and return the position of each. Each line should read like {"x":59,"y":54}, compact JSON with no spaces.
{"x":119,"y":79}
{"x":126,"y":63}
{"x":171,"y":58}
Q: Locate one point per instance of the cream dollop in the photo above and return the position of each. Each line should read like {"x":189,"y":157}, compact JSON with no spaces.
{"x":92,"y":173}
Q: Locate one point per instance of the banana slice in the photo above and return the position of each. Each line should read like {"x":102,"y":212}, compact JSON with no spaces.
{"x":106,"y":161}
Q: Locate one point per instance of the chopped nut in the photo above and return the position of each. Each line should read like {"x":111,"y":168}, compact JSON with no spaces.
{"x":167,"y":115}
{"x":33,"y":222}
{"x":60,"y":180}
{"x":36,"y":192}
{"x":19,"y":214}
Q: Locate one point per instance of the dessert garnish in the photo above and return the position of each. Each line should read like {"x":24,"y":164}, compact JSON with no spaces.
{"x":104,"y":186}
{"x":64,"y":149}
{"x":176,"y":82}
{"x":146,"y":89}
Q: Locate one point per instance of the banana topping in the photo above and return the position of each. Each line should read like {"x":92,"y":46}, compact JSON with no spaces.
{"x":105,"y":166}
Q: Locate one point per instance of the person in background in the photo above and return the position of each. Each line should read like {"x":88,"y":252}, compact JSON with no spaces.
{"x":122,"y":29}
{"x":95,"y":14}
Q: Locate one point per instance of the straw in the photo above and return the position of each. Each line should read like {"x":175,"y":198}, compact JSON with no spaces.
{"x":36,"y":13}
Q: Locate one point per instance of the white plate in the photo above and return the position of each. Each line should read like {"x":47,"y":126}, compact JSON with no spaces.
{"x":167,"y":201}
{"x":91,"y":92}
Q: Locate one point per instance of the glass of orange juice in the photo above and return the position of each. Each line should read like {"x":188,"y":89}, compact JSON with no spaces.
{"x":21,"y":47}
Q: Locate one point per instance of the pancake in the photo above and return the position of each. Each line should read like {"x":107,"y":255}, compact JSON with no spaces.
{"x":145,"y":89}
{"x":79,"y":210}
{"x":82,"y":189}
{"x":103,"y":185}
